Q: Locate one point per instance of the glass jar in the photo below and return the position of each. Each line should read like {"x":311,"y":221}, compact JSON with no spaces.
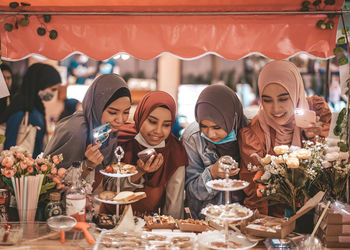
{"x":54,"y":207}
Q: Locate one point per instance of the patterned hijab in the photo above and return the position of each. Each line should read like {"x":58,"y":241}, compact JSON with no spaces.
{"x":73,"y":133}
{"x":220,"y":104}
{"x":286,"y":74}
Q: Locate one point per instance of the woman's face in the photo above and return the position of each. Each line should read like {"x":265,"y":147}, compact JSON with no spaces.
{"x":117,"y":113}
{"x":213,"y":131}
{"x":277,"y":103}
{"x":8,"y":78}
{"x":157,"y":126}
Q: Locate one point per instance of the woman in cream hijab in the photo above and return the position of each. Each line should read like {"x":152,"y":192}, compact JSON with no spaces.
{"x":281,"y":91}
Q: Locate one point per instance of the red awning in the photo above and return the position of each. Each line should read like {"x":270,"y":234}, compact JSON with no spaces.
{"x":187,"y":36}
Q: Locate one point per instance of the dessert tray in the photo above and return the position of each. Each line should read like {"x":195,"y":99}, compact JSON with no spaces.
{"x":227,"y":185}
{"x":216,"y":240}
{"x":112,"y":202}
{"x":230,"y":212}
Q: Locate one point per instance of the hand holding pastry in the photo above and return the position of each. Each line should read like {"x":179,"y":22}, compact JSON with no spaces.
{"x":217,"y":172}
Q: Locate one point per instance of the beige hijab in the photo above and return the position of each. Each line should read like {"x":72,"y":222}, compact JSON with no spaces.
{"x":286,"y":74}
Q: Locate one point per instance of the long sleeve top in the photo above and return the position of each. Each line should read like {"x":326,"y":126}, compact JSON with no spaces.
{"x":200,"y":158}
{"x":35,"y":118}
{"x":252,"y":140}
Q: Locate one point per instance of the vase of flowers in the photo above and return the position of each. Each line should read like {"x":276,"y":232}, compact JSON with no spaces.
{"x":30,"y":179}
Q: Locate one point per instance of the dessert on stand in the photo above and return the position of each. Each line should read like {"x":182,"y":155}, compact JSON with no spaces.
{"x":227,"y":213}
{"x":119,"y":170}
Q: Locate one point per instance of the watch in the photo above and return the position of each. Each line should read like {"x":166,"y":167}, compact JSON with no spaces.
{"x":86,"y":166}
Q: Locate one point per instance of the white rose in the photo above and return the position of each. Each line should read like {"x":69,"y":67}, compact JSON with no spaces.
{"x":343,"y":155}
{"x":331,"y":156}
{"x":332,"y":149}
{"x":326,"y":164}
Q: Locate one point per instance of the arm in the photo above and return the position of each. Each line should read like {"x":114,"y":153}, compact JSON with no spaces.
{"x":249,"y":144}
{"x":322,"y":110}
{"x":12,"y":127}
{"x":174,"y":199}
{"x":197,"y":174}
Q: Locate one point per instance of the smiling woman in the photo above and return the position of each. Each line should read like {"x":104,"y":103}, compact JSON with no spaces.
{"x":281,"y":91}
{"x":162,"y":176}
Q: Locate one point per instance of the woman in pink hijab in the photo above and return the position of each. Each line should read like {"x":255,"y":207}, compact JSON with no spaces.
{"x":281,"y":92}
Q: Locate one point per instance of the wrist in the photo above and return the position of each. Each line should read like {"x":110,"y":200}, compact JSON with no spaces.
{"x":211,"y":171}
{"x":86,"y":166}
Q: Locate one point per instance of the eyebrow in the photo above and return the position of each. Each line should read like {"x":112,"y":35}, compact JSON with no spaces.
{"x":151,"y":116}
{"x":118,"y":109}
{"x":283,"y":94}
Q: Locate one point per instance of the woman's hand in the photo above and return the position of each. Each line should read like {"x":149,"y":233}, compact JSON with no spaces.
{"x":314,"y":129}
{"x":217,"y":172}
{"x":93,"y":155}
{"x":152,"y":164}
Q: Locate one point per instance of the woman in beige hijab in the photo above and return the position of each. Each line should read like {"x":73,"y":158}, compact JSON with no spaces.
{"x":281,"y":91}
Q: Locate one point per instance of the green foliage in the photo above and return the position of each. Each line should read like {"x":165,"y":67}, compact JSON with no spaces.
{"x":46,"y":187}
{"x":24,"y":21}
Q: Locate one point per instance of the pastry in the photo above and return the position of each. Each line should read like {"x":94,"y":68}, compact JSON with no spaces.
{"x":124,"y":196}
{"x":106,"y":195}
{"x":145,"y":154}
{"x":105,"y":221}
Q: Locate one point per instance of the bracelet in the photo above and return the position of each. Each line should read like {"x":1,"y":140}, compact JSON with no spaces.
{"x":86,"y":166}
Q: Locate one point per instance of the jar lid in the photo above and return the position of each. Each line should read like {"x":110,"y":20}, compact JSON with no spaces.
{"x":56,"y":196}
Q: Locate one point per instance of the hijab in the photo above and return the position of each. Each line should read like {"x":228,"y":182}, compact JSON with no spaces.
{"x":287,"y":75}
{"x":173,"y":152}
{"x":39,"y":76}
{"x":73,"y":133}
{"x":220,"y":104}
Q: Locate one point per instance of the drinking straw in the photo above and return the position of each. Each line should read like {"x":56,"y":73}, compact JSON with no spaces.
{"x":25,"y":194}
{"x":41,"y":179}
{"x":320,"y":219}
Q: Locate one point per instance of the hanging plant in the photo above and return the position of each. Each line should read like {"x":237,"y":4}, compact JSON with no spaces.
{"x":23,"y":20}
{"x":328,"y":21}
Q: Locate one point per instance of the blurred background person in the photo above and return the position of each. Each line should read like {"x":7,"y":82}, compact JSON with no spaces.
{"x":70,"y":106}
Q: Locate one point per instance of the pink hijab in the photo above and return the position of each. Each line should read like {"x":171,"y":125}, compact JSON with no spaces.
{"x":286,"y":74}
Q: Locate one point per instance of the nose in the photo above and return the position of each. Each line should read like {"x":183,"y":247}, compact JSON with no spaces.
{"x":276,"y":107}
{"x":158,"y":129}
{"x":118,"y":118}
{"x":211,"y":133}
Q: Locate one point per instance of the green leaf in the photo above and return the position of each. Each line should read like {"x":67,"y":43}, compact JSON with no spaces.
{"x":24,"y":22}
{"x":316,"y":3}
{"x":16,"y":25}
{"x":306,"y":3}
{"x":343,"y":30}
{"x":41,"y":31}
{"x":14,"y":5}
{"x":337,"y":130}
{"x":343,"y":146}
{"x":47,"y":186}
{"x":346,"y":7}
{"x":331,"y":15}
{"x":338,"y":51}
{"x":329,"y":2}
{"x":25,"y":4}
{"x":341,"y":40}
{"x":8,"y":27}
{"x":305,"y":8}
{"x":53,"y":34}
{"x":343,"y":60}
{"x":330,"y":25}
{"x":47,"y":18}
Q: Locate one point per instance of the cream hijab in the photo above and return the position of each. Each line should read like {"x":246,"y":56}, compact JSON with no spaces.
{"x":286,"y":74}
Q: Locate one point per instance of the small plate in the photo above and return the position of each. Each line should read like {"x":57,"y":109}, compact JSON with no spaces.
{"x":114,"y":202}
{"x":116,"y":175}
{"x":222,"y":215}
{"x":207,"y":238}
{"x":231,"y":185}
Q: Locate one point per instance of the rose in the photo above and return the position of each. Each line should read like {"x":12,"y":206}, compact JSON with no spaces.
{"x":280,"y":150}
{"x":23,"y":165}
{"x":39,"y":160}
{"x":29,"y":161}
{"x":332,"y":149}
{"x":7,"y":162}
{"x":56,"y":179}
{"x":55,"y":159}
{"x":292,"y":162}
{"x":8,"y":173}
{"x":61,"y":172}
{"x":303,"y":154}
{"x":43,"y":167}
{"x":333,"y":156}
{"x":30,"y":169}
{"x":326,"y":164}
{"x":343,"y":155}
{"x":54,"y":171}
{"x":266,"y":160}
{"x":19,"y":155}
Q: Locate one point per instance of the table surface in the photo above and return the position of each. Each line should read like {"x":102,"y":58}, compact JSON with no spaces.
{"x":38,"y":236}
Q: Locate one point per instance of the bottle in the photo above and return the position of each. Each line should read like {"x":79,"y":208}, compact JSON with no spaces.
{"x":54,"y":207}
{"x":76,"y":195}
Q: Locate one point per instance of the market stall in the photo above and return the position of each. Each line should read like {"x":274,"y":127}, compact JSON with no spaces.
{"x":147,"y":29}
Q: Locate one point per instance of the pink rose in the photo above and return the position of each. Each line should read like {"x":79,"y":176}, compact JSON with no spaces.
{"x":19,"y":155}
{"x":53,"y":171}
{"x":59,"y":186}
{"x":61,"y":172}
{"x":30,"y":169}
{"x":30,"y":161}
{"x":8,"y":173}
{"x":7,"y":162}
{"x":39,"y":160}
{"x":23,"y":165}
{"x":55,"y":159}
{"x":43,"y":167}
{"x":56,"y":179}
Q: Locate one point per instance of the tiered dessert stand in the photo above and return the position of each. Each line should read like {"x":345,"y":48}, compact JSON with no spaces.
{"x":119,"y":153}
{"x":227,"y":185}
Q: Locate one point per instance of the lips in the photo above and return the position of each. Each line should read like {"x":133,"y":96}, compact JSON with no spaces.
{"x":278,"y":115}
